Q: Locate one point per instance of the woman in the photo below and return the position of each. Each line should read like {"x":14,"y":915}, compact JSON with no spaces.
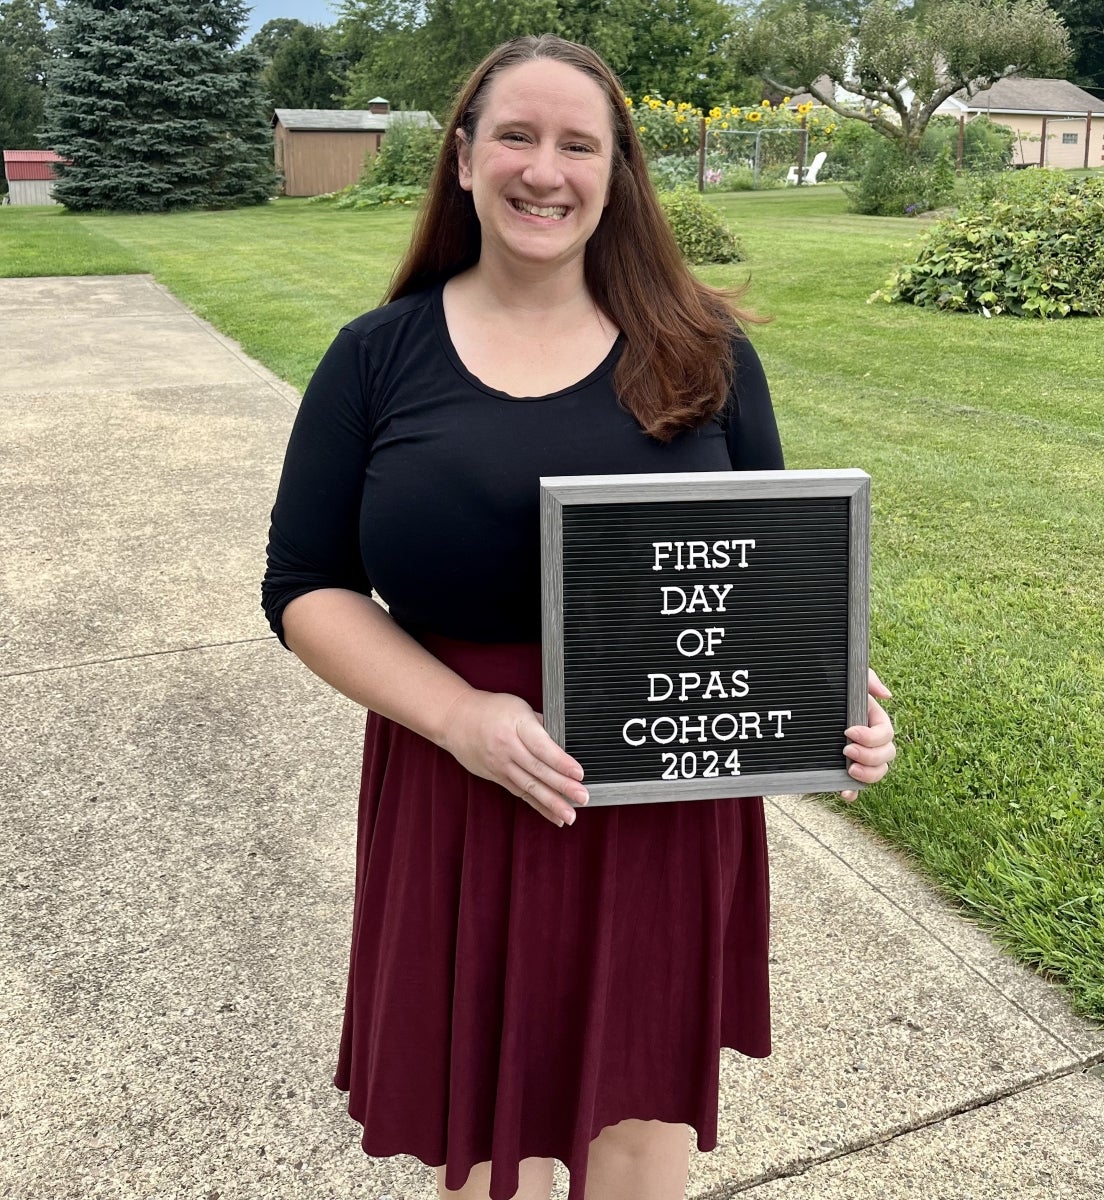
{"x":527,"y":981}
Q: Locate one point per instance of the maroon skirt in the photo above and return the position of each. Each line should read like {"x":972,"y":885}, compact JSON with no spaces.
{"x":515,"y":987}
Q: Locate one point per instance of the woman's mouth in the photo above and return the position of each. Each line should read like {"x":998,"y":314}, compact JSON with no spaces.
{"x":555,"y":212}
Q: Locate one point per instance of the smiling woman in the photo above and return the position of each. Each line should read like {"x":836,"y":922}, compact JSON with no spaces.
{"x":529,"y":979}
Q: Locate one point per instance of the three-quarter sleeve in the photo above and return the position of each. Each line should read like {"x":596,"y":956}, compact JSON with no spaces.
{"x":314,"y":539}
{"x":750,"y":426}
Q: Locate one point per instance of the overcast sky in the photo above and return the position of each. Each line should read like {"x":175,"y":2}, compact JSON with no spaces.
{"x":313,"y":12}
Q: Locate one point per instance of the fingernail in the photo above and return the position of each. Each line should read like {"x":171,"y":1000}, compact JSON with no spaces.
{"x":570,"y":819}
{"x":586,"y":797}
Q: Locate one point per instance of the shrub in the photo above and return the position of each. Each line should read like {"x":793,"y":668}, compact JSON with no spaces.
{"x":371,"y":195}
{"x":669,"y":172}
{"x":850,"y":147}
{"x":893,"y":184}
{"x":986,"y":146}
{"x":407,"y":156}
{"x":1029,"y":243}
{"x":701,"y":234}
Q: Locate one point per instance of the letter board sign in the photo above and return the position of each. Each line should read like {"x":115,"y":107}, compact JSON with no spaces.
{"x":706,"y":634}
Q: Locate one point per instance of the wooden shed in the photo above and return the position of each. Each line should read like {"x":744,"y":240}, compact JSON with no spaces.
{"x":30,"y":175}
{"x":321,"y":150}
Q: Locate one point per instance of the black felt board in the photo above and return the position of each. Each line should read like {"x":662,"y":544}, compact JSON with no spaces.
{"x":747,"y":681}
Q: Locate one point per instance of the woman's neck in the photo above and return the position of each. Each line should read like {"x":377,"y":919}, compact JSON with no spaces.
{"x":557,"y":294}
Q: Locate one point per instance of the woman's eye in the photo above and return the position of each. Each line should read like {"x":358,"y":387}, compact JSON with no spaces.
{"x":513,"y":137}
{"x":579,"y":148}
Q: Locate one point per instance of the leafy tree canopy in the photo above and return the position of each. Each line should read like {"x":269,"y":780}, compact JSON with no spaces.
{"x":24,"y":59}
{"x":418,"y":54}
{"x":1085,"y":21}
{"x":300,"y":74}
{"x":154,"y":109}
{"x":273,"y":34}
{"x":902,"y":64}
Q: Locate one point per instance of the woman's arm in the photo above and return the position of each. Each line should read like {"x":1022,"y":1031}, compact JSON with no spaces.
{"x":349,"y":641}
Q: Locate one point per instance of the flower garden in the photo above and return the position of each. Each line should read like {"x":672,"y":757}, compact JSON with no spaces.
{"x":746,"y":146}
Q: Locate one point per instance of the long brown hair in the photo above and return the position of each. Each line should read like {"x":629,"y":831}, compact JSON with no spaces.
{"x":677,"y":365}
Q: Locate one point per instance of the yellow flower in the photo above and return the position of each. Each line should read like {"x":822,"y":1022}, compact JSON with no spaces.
{"x":643,"y":128}
{"x":645,"y":99}
{"x":735,"y":113}
{"x":709,"y":120}
{"x":764,"y":104}
{"x":715,"y":113}
{"x":670,"y":104}
{"x":756,"y":115}
{"x":805,"y":108}
{"x":785,"y":99}
{"x":628,"y":101}
{"x":724,"y":124}
{"x":654,"y":104}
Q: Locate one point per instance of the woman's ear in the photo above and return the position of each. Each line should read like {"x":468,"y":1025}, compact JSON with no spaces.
{"x":463,"y":160}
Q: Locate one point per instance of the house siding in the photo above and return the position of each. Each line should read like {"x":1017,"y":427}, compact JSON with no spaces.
{"x":31,"y":191}
{"x":1027,"y":149}
{"x":316,"y":161}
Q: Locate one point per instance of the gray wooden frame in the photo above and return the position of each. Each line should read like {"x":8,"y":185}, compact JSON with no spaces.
{"x":560,"y":491}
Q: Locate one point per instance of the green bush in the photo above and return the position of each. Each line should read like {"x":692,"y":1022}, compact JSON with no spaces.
{"x":669,"y":172}
{"x":407,"y":156}
{"x":371,"y":195}
{"x":701,"y":234}
{"x":848,"y":149}
{"x":986,"y":146}
{"x":892,"y":184}
{"x":1030,"y":243}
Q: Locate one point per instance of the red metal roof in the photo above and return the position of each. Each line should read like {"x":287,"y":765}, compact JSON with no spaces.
{"x":30,"y":164}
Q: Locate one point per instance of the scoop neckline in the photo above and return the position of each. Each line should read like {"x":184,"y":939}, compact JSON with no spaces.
{"x":603,"y":368}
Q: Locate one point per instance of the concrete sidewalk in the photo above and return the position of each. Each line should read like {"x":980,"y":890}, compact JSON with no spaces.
{"x":178,"y":831}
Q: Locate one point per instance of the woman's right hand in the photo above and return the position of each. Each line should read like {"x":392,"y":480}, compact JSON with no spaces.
{"x":499,"y":737}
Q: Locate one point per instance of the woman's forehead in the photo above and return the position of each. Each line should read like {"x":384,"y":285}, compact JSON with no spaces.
{"x":548,"y":90}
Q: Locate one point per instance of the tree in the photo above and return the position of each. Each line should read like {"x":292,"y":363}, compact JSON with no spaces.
{"x":155,"y":109}
{"x":272,"y":35}
{"x":418,"y":54}
{"x":300,"y":74}
{"x":1085,"y":21}
{"x":24,"y":57}
{"x":679,"y":48}
{"x":903,"y":64}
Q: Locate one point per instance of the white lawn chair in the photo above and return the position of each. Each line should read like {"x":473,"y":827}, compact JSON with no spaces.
{"x":810,"y":173}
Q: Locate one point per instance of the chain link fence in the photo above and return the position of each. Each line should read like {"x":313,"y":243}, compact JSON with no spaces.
{"x":732,"y":160}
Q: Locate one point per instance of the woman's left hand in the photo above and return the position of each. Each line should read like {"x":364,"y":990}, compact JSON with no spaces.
{"x":870,"y":747}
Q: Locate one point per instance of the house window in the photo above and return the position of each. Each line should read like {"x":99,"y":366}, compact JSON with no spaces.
{"x":1069,"y":139}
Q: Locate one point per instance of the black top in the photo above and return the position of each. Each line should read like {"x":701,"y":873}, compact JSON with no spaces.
{"x":406,"y":474}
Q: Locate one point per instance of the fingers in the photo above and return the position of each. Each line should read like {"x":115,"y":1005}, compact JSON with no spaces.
{"x":545,"y":775}
{"x":499,"y":737}
{"x":875,"y":686}
{"x":870,"y":748}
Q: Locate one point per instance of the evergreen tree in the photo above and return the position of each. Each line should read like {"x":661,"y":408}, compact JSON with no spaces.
{"x":155,"y":109}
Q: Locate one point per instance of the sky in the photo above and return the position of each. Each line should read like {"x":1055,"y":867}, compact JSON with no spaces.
{"x":313,"y":12}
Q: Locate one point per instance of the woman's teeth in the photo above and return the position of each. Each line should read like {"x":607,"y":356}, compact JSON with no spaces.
{"x":556,"y":213}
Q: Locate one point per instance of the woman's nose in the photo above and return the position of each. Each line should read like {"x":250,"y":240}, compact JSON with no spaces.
{"x":542,"y":172}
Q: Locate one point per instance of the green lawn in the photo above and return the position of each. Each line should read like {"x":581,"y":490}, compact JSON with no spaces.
{"x":985,"y":441}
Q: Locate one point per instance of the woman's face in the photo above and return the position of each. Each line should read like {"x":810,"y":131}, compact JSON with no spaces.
{"x":538,"y":167}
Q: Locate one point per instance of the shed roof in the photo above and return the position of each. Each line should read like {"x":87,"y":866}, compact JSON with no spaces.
{"x":1014,"y":95}
{"x":30,"y":164}
{"x":356,"y":119}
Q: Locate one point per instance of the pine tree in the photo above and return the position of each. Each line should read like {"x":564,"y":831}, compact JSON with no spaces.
{"x":154,"y":109}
